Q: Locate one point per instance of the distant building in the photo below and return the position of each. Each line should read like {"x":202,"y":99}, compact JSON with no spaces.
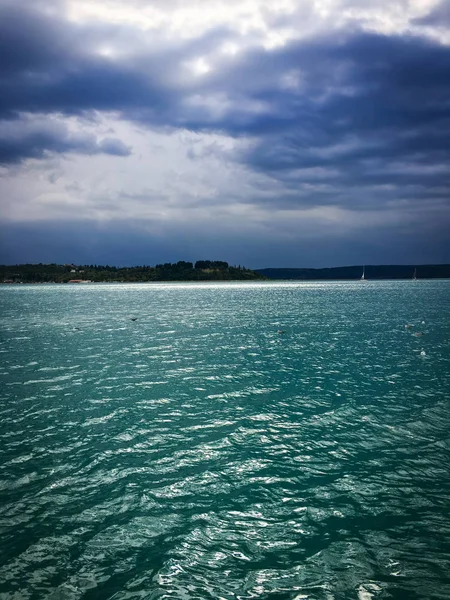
{"x":79,"y":281}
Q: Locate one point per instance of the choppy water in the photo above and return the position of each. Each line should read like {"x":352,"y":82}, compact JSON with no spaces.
{"x":199,"y":453}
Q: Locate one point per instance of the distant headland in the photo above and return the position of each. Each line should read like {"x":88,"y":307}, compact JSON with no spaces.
{"x":354,"y":272}
{"x":207,"y":270}
{"x":202,"y":270}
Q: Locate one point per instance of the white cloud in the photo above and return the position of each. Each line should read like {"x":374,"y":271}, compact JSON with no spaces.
{"x":167,"y":173}
{"x":271,"y":23}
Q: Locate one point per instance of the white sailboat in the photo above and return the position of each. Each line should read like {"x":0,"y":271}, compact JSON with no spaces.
{"x":415,"y":275}
{"x":363,"y":276}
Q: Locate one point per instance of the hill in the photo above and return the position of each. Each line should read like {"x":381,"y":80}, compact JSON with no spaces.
{"x":203,"y":270}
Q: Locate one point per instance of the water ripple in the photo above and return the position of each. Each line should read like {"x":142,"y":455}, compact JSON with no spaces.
{"x":199,"y":453}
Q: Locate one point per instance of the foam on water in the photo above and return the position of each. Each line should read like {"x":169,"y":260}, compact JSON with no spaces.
{"x":198,"y":453}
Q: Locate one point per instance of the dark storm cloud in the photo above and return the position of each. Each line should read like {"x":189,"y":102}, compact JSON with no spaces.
{"x":24,"y":138}
{"x":356,"y":120}
{"x":348,"y":83}
{"x":49,"y":64}
{"x":30,"y":41}
{"x":376,"y":113}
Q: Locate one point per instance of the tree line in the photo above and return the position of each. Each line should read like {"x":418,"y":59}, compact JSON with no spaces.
{"x":202,"y":270}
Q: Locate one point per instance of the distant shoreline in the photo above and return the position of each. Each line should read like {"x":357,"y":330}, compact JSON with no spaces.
{"x":217,"y":282}
{"x":371,"y":272}
{"x":209,"y":271}
{"x":202,"y":270}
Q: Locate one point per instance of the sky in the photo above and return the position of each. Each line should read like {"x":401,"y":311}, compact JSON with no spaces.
{"x":268,"y":134}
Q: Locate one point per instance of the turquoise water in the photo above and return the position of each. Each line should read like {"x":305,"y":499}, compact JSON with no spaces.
{"x":198,"y":452}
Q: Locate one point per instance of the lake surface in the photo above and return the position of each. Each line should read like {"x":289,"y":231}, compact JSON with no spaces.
{"x":198,"y":452}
